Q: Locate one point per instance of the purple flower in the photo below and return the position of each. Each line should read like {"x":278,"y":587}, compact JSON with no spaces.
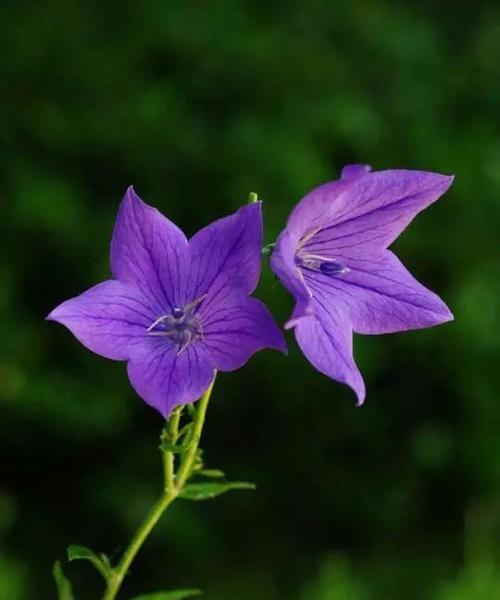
{"x":176,"y":310}
{"x":333,"y":258}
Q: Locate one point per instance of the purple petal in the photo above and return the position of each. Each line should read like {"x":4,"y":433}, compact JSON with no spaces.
{"x":237,"y":327}
{"x":372,"y":210}
{"x":380,"y":295}
{"x":315,"y":210}
{"x":354,"y":171}
{"x":149,"y":251}
{"x":227,"y":253}
{"x":284,"y":266}
{"x":326,"y":341}
{"x":110,"y":319}
{"x":318,"y":206}
{"x":165,"y":378}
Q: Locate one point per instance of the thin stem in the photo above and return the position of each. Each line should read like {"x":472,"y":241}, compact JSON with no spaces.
{"x":168,"y":471}
{"x":116,"y":578}
{"x":171,"y":489}
{"x":168,"y":457}
{"x":198,"y":422}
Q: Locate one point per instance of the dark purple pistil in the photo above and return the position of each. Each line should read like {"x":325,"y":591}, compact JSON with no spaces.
{"x":177,"y":312}
{"x":320,"y":264}
{"x":331,"y":268}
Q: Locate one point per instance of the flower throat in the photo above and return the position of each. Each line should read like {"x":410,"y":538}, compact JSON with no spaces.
{"x":181,"y":325}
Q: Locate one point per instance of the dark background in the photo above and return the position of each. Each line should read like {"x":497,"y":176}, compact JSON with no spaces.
{"x":197,"y":104}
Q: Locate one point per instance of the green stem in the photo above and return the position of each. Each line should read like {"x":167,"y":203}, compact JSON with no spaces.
{"x":168,"y":457}
{"x":171,"y":489}
{"x":116,"y":579}
{"x":198,"y":422}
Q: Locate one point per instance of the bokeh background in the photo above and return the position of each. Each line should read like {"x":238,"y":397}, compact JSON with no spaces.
{"x":197,"y":104}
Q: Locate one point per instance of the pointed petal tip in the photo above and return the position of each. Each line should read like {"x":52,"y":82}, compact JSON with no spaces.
{"x":131,"y":194}
{"x":439,"y":182}
{"x":443,"y":315}
{"x":283,"y":348}
{"x":278,"y":341}
{"x":300,"y":312}
{"x":281,"y":345}
{"x":448,"y":316}
{"x":164,"y":412}
{"x":447,"y":181}
{"x":129,"y":199}
{"x":54,"y":315}
{"x":360,"y":400}
{"x":295,"y":320}
{"x":167,"y":410}
{"x":359,"y":389}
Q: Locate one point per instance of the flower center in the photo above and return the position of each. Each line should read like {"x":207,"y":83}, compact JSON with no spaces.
{"x":320,"y":264}
{"x":181,"y":325}
{"x":177,"y":312}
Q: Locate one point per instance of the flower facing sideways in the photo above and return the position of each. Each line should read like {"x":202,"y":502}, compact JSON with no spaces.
{"x":176,"y":310}
{"x":333,"y":258}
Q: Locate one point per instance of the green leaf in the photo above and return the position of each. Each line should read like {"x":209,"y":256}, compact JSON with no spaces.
{"x":211,"y":473}
{"x":101,"y":563}
{"x":205,"y":491}
{"x":172,"y":595}
{"x":64,"y":589}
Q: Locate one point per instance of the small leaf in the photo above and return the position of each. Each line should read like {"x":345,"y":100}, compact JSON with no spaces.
{"x":167,"y":446}
{"x":198,"y":461}
{"x":211,"y":473}
{"x":101,"y":563}
{"x":105,"y":560}
{"x":64,"y":589}
{"x":172,"y":595}
{"x":81,"y":552}
{"x":185,"y":435}
{"x":205,"y":491}
{"x":186,"y":430}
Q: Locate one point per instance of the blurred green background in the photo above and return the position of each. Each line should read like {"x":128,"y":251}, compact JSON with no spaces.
{"x":197,"y":104}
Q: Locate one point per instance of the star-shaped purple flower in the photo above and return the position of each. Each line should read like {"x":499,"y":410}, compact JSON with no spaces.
{"x":176,"y":310}
{"x":333,"y":258}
